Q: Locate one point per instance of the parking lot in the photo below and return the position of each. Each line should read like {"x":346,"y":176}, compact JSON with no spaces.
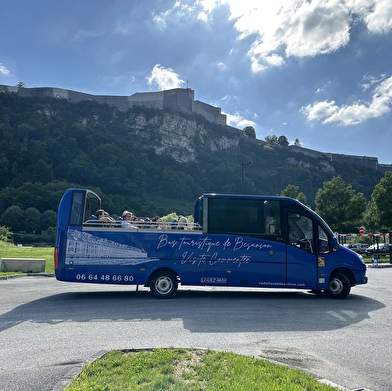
{"x":49,"y":328}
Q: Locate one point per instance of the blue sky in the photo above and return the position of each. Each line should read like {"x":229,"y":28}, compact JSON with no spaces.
{"x":316,"y":70}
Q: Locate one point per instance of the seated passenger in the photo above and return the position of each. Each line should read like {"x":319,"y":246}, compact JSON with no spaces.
{"x":127,"y":218}
{"x":140,"y":223}
{"x":157,"y":222}
{"x":103,"y":216}
{"x":182,"y":223}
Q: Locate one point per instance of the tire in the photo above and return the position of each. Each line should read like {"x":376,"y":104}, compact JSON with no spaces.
{"x":163,"y":284}
{"x":339,"y":286}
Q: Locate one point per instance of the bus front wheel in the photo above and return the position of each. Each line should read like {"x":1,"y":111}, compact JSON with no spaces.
{"x":339,"y":286}
{"x":163,"y":284}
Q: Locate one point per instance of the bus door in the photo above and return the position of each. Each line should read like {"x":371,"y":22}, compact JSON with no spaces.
{"x":301,"y":252}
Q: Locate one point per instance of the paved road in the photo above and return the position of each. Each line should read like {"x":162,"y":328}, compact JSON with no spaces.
{"x":48,"y":329}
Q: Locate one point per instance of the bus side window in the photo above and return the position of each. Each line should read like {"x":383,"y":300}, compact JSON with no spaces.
{"x":76,"y":216}
{"x":255,"y":218}
{"x":323,"y":243}
{"x":300,"y":232}
{"x":273,"y":226}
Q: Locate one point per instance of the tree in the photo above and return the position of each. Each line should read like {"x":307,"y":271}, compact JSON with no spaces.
{"x":292,"y":191}
{"x":371,"y":217}
{"x":48,"y":219}
{"x":249,"y":131}
{"x":382,"y":197}
{"x":32,"y":220}
{"x":273,"y":139}
{"x":297,"y":143}
{"x":5,"y":234}
{"x":282,"y":141}
{"x":340,"y":205}
{"x":13,"y":218}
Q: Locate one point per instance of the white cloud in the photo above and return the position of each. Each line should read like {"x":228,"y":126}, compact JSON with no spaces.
{"x":329,"y":112}
{"x":298,"y":28}
{"x":181,"y":11}
{"x":3,"y":70}
{"x":207,"y":7}
{"x":379,"y":20}
{"x":238,"y":121}
{"x":294,"y":28}
{"x":164,"y":78}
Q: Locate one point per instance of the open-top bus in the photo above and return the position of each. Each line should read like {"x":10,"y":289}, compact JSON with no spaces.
{"x":234,"y":241}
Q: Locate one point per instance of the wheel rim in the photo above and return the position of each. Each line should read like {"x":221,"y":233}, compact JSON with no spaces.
{"x":335,"y":286}
{"x":163,"y":285}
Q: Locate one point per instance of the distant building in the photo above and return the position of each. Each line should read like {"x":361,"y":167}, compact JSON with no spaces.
{"x":177,"y":99}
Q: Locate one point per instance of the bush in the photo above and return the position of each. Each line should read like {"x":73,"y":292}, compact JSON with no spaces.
{"x":5,"y":234}
{"x":34,"y":240}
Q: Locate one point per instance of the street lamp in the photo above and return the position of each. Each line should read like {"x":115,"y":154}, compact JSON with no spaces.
{"x":242,"y":172}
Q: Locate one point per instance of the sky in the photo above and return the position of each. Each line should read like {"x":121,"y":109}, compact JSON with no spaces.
{"x":319,"y":71}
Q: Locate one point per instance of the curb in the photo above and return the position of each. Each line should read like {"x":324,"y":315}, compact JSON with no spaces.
{"x":76,"y":370}
{"x":380,"y":265}
{"x":26,"y":274}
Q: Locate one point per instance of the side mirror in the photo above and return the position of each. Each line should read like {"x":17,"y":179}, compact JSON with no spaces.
{"x":335,"y":244}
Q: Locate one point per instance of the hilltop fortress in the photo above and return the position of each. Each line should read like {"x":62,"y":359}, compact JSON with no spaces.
{"x":179,"y":99}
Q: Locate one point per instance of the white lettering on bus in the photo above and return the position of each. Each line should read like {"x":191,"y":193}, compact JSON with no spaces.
{"x":213,"y":259}
{"x":240,"y":244}
{"x":202,"y":244}
{"x":207,"y":244}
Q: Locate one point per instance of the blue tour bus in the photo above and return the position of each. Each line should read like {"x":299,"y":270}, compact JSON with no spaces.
{"x":234,"y":241}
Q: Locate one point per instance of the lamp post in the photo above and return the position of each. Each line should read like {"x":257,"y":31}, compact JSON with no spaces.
{"x":242,"y":174}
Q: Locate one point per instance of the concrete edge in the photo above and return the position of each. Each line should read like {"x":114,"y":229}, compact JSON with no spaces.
{"x":76,"y":370}
{"x":379,"y":265}
{"x":4,"y":278}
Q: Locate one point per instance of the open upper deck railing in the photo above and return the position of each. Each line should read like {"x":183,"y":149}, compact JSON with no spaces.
{"x":142,"y":224}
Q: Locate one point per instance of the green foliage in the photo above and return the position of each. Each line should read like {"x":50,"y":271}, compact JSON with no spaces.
{"x":48,"y":145}
{"x":272,"y":139}
{"x":190,"y":370}
{"x":249,"y":131}
{"x":382,"y":198}
{"x":13,"y":218}
{"x":282,"y":141}
{"x":372,"y":217}
{"x":293,"y":192}
{"x":340,"y":205}
{"x":5,"y":234}
{"x":32,"y":219}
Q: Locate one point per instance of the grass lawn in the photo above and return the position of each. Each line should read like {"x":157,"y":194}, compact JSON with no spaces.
{"x":179,"y":369}
{"x":8,"y":250}
{"x":381,"y":259}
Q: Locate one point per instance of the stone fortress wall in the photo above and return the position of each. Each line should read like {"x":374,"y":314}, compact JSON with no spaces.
{"x":180,"y":99}
{"x":364,"y":161}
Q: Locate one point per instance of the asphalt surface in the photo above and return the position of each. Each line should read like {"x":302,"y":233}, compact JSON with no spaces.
{"x":50,"y":329}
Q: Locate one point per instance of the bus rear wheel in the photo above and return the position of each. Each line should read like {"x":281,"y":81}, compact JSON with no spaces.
{"x":339,"y":286}
{"x":163,"y":284}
